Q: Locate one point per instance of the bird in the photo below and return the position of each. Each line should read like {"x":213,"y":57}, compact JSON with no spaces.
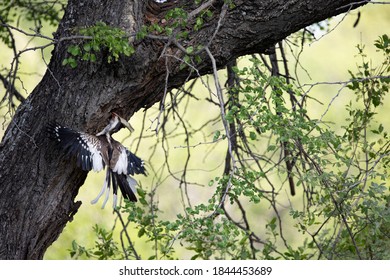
{"x":95,"y":152}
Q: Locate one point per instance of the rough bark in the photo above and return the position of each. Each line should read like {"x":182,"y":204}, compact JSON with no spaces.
{"x":37,"y":186}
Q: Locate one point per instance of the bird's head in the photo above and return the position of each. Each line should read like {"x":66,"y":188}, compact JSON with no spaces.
{"x":116,"y":124}
{"x":120,"y":122}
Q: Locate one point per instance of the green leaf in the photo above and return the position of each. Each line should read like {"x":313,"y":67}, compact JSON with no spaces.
{"x":87,"y":47}
{"x":380,"y":128}
{"x":141,"y":232}
{"x":198,"y":24}
{"x":216,"y":135}
{"x":70,"y":61}
{"x":271,"y":148}
{"x":190,"y":50}
{"x":65,"y":62}
{"x":74,"y":245}
{"x":85,"y":56}
{"x":74,"y":50}
{"x":168,"y":31}
{"x":92,"y":57}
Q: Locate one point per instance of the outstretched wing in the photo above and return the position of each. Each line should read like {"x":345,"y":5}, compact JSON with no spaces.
{"x":135,"y":165}
{"x":84,"y":147}
{"x":123,"y":161}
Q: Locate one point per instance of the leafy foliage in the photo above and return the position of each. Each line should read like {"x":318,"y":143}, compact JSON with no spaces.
{"x":342,"y":174}
{"x":97,"y":38}
{"x":105,"y":247}
{"x":35,"y":11}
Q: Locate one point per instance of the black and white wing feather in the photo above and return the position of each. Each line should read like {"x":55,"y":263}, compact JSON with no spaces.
{"x":135,"y":165}
{"x":84,"y":147}
{"x":94,"y":153}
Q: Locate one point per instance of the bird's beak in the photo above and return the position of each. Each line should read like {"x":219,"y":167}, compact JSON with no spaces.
{"x":124,"y":122}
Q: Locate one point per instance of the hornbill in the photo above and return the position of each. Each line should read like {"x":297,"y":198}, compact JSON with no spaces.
{"x":100,"y":150}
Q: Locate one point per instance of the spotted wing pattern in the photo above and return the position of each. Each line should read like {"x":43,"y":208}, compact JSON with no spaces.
{"x":94,"y":153}
{"x":84,"y":147}
{"x":135,"y":165}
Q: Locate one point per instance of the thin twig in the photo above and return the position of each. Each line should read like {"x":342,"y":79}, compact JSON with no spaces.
{"x":225,"y":124}
{"x":127,"y":234}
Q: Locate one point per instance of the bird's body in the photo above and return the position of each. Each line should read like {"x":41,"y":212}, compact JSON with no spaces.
{"x":95,"y":152}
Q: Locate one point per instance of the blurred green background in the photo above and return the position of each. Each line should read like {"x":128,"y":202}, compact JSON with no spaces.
{"x":327,"y":59}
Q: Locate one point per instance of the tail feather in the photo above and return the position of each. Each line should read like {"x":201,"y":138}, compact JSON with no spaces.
{"x":107,"y":196}
{"x":127,"y":186}
{"x":105,"y":188}
{"x":132,"y":184}
{"x":125,"y":183}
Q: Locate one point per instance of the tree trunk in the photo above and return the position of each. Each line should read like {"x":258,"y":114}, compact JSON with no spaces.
{"x":37,"y":186}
